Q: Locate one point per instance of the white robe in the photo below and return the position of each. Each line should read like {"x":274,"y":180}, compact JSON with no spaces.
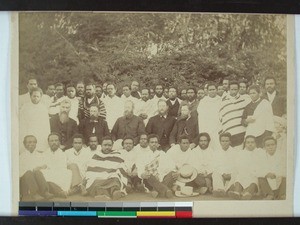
{"x":202,"y":160}
{"x":145,"y":108}
{"x":178,"y":156}
{"x":80,"y":158}
{"x":34,"y":120}
{"x":114,"y":108}
{"x":154,"y":107}
{"x":29,"y":161}
{"x":73,"y":114}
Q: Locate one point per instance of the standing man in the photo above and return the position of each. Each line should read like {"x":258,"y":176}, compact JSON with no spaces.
{"x":225,"y":83}
{"x":243,"y":87}
{"x":58,"y":98}
{"x":135,"y":86}
{"x":173,"y":102}
{"x":144,"y":106}
{"x":112,"y":104}
{"x":99,"y":91}
{"x":34,"y":119}
{"x":161,"y":125}
{"x":200,"y":94}
{"x":126,"y":96}
{"x":80,"y":89}
{"x":94,"y":125}
{"x":65,"y":126}
{"x":25,"y":98}
{"x":159,"y":91}
{"x":71,"y":96}
{"x":231,"y":111}
{"x":128,"y":125}
{"x":220,"y":90}
{"x":183,"y":94}
{"x":191,"y":101}
{"x":90,"y":99}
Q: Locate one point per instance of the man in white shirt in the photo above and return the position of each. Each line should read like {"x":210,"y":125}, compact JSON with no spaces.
{"x":32,"y":83}
{"x":127,"y":95}
{"x":224,"y":166}
{"x":58,"y":98}
{"x":113,"y":105}
{"x":144,"y":106}
{"x":156,"y":170}
{"x":71,"y":95}
{"x":93,"y":145}
{"x":159,"y":91}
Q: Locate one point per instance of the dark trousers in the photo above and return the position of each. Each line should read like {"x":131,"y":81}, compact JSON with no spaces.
{"x":267,"y":190}
{"x":153,"y":183}
{"x":32,"y":183}
{"x":260,"y":139}
{"x":104,"y":187}
{"x":200,"y":181}
{"x":252,"y":188}
{"x":54,"y":188}
{"x":134,"y":181}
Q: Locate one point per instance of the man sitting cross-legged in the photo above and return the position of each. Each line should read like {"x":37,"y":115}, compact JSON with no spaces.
{"x":156,"y":170}
{"x":105,"y":175}
{"x":224,"y":164}
{"x":33,"y":185}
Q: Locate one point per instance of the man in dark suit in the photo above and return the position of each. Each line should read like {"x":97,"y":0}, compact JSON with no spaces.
{"x":186,"y":125}
{"x":62,"y":124}
{"x":94,"y":125}
{"x":278,"y":102}
{"x":173,"y":102}
{"x":161,"y":125}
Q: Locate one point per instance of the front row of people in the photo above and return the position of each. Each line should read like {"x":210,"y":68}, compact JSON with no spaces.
{"x":105,"y":173}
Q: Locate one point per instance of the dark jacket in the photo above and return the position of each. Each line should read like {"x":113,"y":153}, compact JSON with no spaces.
{"x":278,"y":104}
{"x":173,"y":109}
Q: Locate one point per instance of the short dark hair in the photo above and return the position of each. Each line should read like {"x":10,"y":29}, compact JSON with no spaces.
{"x":59,"y":85}
{"x":191,"y":88}
{"x":31,"y":78}
{"x":126,"y":85}
{"x":28,"y":136}
{"x":243,"y":81}
{"x":233,"y":82}
{"x":254,"y":87}
{"x":54,"y":134}
{"x":269,"y":78}
{"x":185,"y":104}
{"x":93,"y":135}
{"x":90,"y":84}
{"x":204,"y":134}
{"x":127,"y":138}
{"x":172,"y":87}
{"x":212,"y":84}
{"x":250,"y":136}
{"x":268,"y":138}
{"x":107,"y":138}
{"x":142,"y":135}
{"x":145,"y":89}
{"x":77,"y":136}
{"x":35,"y":89}
{"x":159,"y":85}
{"x":70,"y":85}
{"x":226,"y":134}
{"x":110,"y":83}
{"x":99,"y":85}
{"x":183,"y":137}
{"x":153,"y":136}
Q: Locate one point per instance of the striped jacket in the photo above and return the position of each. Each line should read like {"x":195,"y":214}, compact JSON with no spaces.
{"x":104,"y":166}
{"x":231,"y":112}
{"x":84,"y":108}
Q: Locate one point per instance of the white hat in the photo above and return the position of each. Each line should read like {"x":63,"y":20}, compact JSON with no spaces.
{"x":186,"y":191}
{"x":187,"y":174}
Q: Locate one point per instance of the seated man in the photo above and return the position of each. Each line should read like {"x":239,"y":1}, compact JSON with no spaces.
{"x":32,"y":182}
{"x":156,"y":170}
{"x":93,"y":125}
{"x":142,"y":147}
{"x":247,"y":162}
{"x":55,"y":172}
{"x":224,"y":165}
{"x":201,"y":159}
{"x":93,"y":146}
{"x":105,"y":175}
{"x":273,"y":183}
{"x":77,"y":158}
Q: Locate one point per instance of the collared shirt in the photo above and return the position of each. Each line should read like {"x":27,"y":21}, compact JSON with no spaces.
{"x":271,"y":96}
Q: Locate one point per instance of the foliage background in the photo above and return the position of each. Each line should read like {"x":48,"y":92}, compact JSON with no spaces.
{"x":172,"y":48}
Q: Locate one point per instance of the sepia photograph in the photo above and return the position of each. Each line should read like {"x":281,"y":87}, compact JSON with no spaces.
{"x":153,"y":107}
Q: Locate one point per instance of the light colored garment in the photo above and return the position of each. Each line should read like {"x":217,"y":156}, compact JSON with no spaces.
{"x":80,"y":158}
{"x":249,"y":166}
{"x":114,"y":108}
{"x":34,"y":120}
{"x":129,"y":158}
{"x":165,"y":164}
{"x":56,"y":170}
{"x":143,"y":107}
{"x":208,"y":118}
{"x":154,"y":107}
{"x":178,"y":156}
{"x":202,"y":160}
{"x":130,"y":98}
{"x":54,"y":107}
{"x":263,"y":115}
{"x":30,"y":161}
{"x":73,"y":114}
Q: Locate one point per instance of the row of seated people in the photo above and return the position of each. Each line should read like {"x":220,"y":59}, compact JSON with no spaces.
{"x":105,"y":173}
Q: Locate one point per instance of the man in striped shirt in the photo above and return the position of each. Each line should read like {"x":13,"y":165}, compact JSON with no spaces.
{"x":231,"y":111}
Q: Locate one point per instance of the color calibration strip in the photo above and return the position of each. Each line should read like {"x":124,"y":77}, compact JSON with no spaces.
{"x":108,"y":209}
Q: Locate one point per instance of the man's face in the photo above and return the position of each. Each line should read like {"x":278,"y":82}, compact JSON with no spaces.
{"x":172,"y":93}
{"x":183,"y":94}
{"x":185,"y":112}
{"x":93,"y":143}
{"x":99,"y":92}
{"x":134,"y":86}
{"x":270,"y":85}
{"x":65,"y":107}
{"x":212,"y":91}
{"x":53,"y":142}
{"x":30,"y":144}
{"x":77,"y":144}
{"x":203,"y":142}
{"x":152,"y":93}
{"x":94,"y":112}
{"x":107,"y":146}
{"x":126,"y":91}
{"x":128,"y":144}
{"x":71,"y":92}
{"x":184,"y":145}
{"x":250,"y":144}
{"x":51,"y":90}
{"x":36,"y":97}
{"x":145,"y":95}
{"x":200,"y":94}
{"x":111,"y":91}
{"x":159,"y":90}
{"x":63,"y":117}
{"x":270,"y":147}
{"x":89,"y":91}
{"x":233,"y":90}
{"x":191,"y":95}
{"x":32,"y":83}
{"x":128,"y":108}
{"x":226,"y":85}
{"x":225,"y":143}
{"x":254,"y":95}
{"x":80,"y":89}
{"x":162,"y":108}
{"x":59,"y":91}
{"x":144,"y":141}
{"x":153,"y":144}
{"x":243,"y":88}
{"x":166,"y":93}
{"x":220,"y":90}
